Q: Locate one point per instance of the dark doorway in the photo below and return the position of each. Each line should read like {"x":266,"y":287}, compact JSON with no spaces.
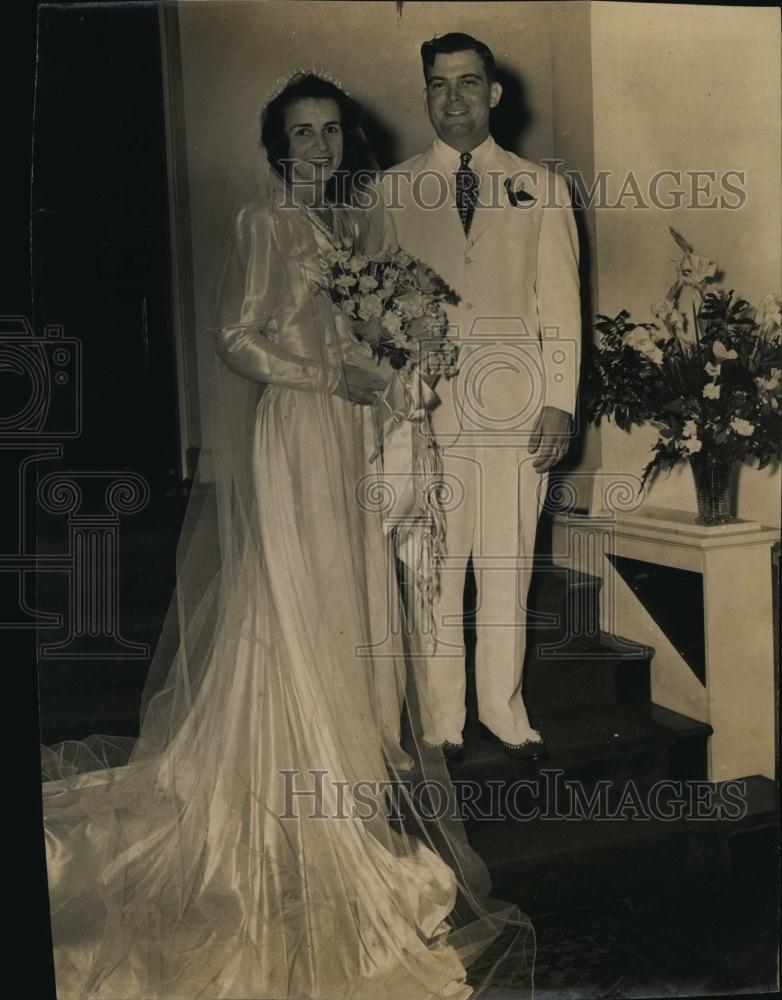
{"x":101,"y":273}
{"x":100,"y":230}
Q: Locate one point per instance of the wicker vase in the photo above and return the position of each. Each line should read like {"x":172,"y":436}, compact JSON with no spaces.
{"x":713,"y":475}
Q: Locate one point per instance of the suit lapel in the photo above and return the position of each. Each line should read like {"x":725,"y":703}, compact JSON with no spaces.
{"x":443,"y":223}
{"x":492,"y":195}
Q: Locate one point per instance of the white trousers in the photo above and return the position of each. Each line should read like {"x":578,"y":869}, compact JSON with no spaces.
{"x":493,"y":499}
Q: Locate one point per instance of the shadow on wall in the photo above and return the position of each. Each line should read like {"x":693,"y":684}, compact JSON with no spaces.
{"x":512,"y":118}
{"x":382,"y":138}
{"x":578,"y":445}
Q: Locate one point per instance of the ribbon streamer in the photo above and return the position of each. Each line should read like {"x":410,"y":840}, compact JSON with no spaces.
{"x":411,"y":472}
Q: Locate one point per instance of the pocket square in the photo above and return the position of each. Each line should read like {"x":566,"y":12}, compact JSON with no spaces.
{"x":516,"y":197}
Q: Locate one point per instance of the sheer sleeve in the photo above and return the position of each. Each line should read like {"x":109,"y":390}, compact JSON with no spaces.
{"x":254,"y":283}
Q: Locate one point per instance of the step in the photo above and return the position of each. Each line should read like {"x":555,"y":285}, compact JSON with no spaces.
{"x":563,"y":601}
{"x":550,"y":865}
{"x":754,"y":845}
{"x":605,"y":743}
{"x":551,"y":584}
{"x":560,"y":600}
{"x":600,"y":673}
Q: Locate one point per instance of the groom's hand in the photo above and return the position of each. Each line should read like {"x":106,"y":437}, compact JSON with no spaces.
{"x":550,"y":438}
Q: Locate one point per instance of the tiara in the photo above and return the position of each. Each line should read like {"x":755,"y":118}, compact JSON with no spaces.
{"x":283,"y":81}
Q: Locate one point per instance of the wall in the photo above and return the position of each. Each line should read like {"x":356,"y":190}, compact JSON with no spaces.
{"x":573,"y":142}
{"x":232,"y":53}
{"x":610,"y":86}
{"x":681,"y":88}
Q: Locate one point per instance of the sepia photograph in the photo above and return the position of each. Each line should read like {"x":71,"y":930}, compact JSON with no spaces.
{"x":392,"y":449}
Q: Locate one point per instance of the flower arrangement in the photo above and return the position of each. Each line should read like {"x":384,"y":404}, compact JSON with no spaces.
{"x":396,"y":303}
{"x":708,"y":377}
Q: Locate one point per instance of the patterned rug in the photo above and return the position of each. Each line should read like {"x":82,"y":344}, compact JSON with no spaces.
{"x":605,"y":953}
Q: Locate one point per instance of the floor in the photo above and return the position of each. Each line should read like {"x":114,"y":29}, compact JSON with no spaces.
{"x":715,"y":942}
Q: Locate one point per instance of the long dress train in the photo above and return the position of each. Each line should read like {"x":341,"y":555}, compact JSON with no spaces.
{"x":244,"y":847}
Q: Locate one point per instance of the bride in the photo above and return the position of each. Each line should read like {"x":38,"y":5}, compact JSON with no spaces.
{"x":243,"y":846}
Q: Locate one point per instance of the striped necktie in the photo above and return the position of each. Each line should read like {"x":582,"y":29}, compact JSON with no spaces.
{"x":466,"y":191}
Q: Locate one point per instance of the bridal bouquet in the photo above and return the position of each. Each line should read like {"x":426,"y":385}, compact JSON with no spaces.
{"x":396,"y":303}
{"x":707,"y":375}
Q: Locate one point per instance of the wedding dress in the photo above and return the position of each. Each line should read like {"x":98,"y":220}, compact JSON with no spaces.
{"x":243,"y":846}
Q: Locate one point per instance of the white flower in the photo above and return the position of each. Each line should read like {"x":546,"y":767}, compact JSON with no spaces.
{"x":742,"y":427}
{"x":768,"y":314}
{"x":666,"y":312}
{"x":640,"y":341}
{"x":366,"y":282}
{"x":634,"y":337}
{"x":357,"y":262}
{"x":721,"y":353}
{"x":711,"y":391}
{"x":344,"y":281}
{"x":690,"y":442}
{"x":713,"y":370}
{"x":369,"y":306}
{"x":694,"y":269}
{"x":392,"y":323}
{"x":662,"y":310}
{"x":338,"y":256}
{"x":390,"y":276}
{"x":401,"y":340}
{"x":692,"y":445}
{"x":412,"y":304}
{"x":770,"y":382}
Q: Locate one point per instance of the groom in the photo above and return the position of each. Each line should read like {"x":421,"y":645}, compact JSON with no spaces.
{"x":500,"y":231}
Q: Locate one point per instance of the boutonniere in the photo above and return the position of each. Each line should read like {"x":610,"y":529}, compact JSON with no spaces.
{"x":519,"y":196}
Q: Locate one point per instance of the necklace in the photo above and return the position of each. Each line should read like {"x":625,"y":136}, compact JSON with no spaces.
{"x":325,"y":217}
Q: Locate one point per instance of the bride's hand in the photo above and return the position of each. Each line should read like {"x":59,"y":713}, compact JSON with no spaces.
{"x":368,"y":330}
{"x":360,"y":357}
{"x":361,"y":384}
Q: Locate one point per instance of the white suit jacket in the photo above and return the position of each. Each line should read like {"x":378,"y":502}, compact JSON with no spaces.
{"x":519,"y":317}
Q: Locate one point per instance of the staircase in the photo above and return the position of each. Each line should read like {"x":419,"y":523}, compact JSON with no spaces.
{"x":589,"y":694}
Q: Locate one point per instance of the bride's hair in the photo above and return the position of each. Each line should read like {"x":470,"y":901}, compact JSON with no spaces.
{"x":358,"y":164}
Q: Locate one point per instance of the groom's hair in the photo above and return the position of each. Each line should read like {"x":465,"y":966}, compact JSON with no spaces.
{"x":457,"y":41}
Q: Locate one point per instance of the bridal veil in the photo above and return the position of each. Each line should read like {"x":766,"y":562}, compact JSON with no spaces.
{"x":278,"y":828}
